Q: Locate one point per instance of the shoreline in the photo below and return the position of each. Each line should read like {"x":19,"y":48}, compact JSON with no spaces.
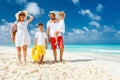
{"x":89,"y":55}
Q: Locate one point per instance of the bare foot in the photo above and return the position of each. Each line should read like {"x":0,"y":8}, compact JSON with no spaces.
{"x":25,"y":62}
{"x":55,"y":61}
{"x":61,"y":59}
{"x":42,"y":62}
{"x":19,"y":63}
{"x":39,"y":62}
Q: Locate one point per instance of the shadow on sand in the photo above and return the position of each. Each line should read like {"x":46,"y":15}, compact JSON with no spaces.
{"x":80,"y":60}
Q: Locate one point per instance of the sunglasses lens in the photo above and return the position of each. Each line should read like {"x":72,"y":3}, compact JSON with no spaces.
{"x":22,"y":14}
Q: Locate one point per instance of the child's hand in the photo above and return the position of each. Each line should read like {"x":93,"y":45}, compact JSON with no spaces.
{"x":35,"y":46}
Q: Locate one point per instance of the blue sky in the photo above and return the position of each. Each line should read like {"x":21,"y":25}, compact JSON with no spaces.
{"x":87,"y":21}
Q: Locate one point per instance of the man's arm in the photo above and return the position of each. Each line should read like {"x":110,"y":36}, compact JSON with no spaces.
{"x":46,"y":43}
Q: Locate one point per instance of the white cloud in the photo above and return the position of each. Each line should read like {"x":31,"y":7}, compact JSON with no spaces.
{"x":21,"y":1}
{"x":33,"y":31}
{"x":86,"y":35}
{"x":75,"y":1}
{"x":34,"y":9}
{"x":108,"y":28}
{"x":90,"y":14}
{"x":85,"y":28}
{"x":18,"y":1}
{"x":99,"y":7}
{"x":82,"y":35}
{"x":5,"y":31}
{"x":117,"y":34}
{"x":78,"y":31}
{"x":93,"y":23}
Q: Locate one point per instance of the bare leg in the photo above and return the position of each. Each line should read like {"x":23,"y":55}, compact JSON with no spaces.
{"x":19,"y":55}
{"x":61,"y":54}
{"x":55,"y":55}
{"x":42,"y":58}
{"x":25,"y":52}
{"x":56,"y":40}
{"x":39,"y":60}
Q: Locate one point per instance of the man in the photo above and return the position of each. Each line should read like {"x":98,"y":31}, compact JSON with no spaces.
{"x":51,"y":29}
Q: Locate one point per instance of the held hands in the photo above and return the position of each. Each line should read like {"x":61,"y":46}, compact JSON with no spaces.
{"x":46,"y":47}
{"x":49,"y":40}
{"x":35,"y":47}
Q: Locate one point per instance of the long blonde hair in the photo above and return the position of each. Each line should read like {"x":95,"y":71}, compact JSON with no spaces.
{"x":61,"y":13}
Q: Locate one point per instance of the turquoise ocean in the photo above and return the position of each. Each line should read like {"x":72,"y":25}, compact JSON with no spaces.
{"x":107,"y":50}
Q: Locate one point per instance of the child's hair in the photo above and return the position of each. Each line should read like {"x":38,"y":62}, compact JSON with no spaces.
{"x":62,"y":13}
{"x":40,"y":24}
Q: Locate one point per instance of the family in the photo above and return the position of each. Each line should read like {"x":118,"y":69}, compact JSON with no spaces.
{"x":20,"y":35}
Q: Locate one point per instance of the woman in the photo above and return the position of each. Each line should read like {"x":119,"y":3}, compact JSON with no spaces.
{"x":22,"y":38}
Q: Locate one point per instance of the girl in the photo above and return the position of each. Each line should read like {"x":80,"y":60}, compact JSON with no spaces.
{"x":61,"y":25}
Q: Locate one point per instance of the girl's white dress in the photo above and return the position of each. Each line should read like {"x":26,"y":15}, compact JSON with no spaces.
{"x":22,"y":36}
{"x":61,"y":26}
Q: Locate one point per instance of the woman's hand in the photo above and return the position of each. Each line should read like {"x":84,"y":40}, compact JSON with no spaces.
{"x":13,"y":38}
{"x":30,"y":19}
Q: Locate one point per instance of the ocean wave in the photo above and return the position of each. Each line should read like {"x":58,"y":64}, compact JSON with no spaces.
{"x":108,"y":51}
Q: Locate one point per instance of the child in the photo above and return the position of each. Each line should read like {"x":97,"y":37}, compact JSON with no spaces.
{"x":40,"y":42}
{"x":61,"y":25}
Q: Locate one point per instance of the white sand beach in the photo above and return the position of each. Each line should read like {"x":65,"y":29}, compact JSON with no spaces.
{"x":75,"y":67}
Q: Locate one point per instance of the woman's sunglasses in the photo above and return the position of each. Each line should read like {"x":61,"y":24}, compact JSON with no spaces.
{"x":21,"y":14}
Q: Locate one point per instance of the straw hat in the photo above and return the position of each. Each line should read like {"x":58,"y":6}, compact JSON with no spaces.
{"x":17,"y":14}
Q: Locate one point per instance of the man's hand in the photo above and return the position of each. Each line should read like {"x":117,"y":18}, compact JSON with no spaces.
{"x":49,"y":40}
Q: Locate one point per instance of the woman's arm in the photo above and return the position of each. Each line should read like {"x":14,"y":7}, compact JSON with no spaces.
{"x":11,"y":31}
{"x":30,"y":19}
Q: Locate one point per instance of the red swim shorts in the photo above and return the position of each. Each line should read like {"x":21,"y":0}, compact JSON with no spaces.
{"x":60,"y":42}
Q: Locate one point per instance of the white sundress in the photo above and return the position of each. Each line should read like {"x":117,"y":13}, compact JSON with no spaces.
{"x":22,"y":36}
